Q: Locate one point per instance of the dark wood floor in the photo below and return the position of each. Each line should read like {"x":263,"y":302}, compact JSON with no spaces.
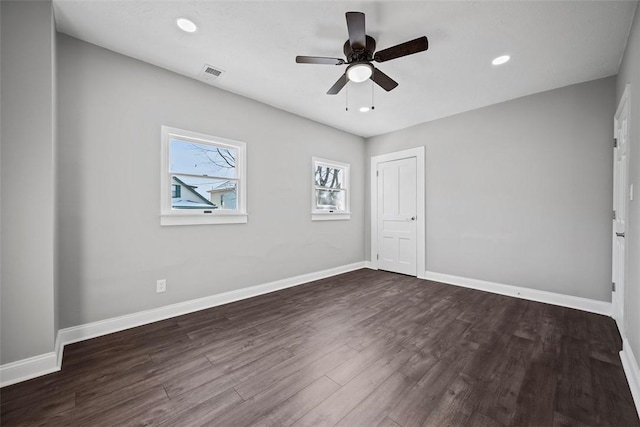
{"x":364,"y":348}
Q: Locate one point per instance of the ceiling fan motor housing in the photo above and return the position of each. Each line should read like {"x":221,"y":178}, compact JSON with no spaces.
{"x":361,"y":55}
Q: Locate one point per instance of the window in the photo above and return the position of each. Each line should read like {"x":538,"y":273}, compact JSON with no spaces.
{"x":175,"y":193}
{"x":330,"y":195}
{"x":203,"y":179}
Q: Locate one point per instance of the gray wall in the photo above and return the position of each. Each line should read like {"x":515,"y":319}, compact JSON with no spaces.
{"x":27,"y":180}
{"x":112,"y":247}
{"x":630,"y":73}
{"x":520,"y":192}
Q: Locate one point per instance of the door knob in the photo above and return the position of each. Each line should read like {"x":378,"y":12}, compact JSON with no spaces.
{"x":620,"y":235}
{"x":413,"y":218}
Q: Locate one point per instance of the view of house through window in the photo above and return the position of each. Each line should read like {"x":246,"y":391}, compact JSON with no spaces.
{"x":203,"y":176}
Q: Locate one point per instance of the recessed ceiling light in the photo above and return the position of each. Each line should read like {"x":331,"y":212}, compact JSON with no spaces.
{"x":186,"y":25}
{"x":501,"y":60}
{"x":358,"y":73}
{"x":364,"y":109}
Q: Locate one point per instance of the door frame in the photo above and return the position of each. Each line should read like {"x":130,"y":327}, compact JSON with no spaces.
{"x":618,"y":298}
{"x":419,"y":154}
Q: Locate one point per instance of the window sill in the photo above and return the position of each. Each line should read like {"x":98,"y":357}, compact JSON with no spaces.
{"x":203,"y":219}
{"x":326,"y":216}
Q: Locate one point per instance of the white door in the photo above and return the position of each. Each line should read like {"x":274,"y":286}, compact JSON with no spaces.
{"x":621,"y":194}
{"x":396,"y":216}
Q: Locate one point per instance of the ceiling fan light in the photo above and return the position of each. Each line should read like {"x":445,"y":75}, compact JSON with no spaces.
{"x":358,"y":73}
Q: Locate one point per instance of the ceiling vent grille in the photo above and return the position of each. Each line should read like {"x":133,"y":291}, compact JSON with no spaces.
{"x":209,"y":72}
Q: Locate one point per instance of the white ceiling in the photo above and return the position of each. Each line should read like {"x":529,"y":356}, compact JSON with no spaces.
{"x":552,"y":44}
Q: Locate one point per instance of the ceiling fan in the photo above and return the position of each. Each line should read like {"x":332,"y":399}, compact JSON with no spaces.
{"x":360,"y":50}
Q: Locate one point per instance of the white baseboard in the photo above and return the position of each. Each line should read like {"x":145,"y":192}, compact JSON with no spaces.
{"x":33,"y":367}
{"x":26,"y":369}
{"x":116,"y":324}
{"x":631,"y":371}
{"x":585,"y":304}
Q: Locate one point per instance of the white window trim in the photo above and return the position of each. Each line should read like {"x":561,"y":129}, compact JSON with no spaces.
{"x":169,"y":216}
{"x":322,"y":215}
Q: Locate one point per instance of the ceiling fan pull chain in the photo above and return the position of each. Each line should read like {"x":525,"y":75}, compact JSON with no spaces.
{"x":373,"y":104}
{"x":346,"y":106}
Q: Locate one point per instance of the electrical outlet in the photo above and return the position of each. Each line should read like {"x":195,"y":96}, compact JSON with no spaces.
{"x":161,"y":285}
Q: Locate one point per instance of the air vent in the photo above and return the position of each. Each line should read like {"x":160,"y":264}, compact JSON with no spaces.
{"x":210,"y":72}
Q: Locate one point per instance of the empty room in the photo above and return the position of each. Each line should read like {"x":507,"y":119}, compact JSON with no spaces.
{"x":319,"y":213}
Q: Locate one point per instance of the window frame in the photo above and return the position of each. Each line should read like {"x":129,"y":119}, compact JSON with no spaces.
{"x":170,"y":216}
{"x":324,"y":215}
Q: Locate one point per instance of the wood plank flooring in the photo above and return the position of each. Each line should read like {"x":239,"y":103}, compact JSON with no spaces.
{"x":366,"y":348}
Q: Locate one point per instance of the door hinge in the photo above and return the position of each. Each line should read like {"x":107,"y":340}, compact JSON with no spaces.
{"x":614,"y":214}
{"x":377,"y":173}
{"x":377,"y":256}
{"x":615,"y":142}
{"x":613,"y":287}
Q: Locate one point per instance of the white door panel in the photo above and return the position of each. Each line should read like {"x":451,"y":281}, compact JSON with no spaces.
{"x":620,"y":204}
{"x":396,"y":216}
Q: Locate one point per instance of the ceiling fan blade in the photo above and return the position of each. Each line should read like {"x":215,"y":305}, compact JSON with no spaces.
{"x":403,"y":49}
{"x":382,"y":80}
{"x":318,"y":60}
{"x":357,"y":35}
{"x":338,"y":85}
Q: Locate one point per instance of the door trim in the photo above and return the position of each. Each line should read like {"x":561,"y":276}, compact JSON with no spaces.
{"x":421,"y":240}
